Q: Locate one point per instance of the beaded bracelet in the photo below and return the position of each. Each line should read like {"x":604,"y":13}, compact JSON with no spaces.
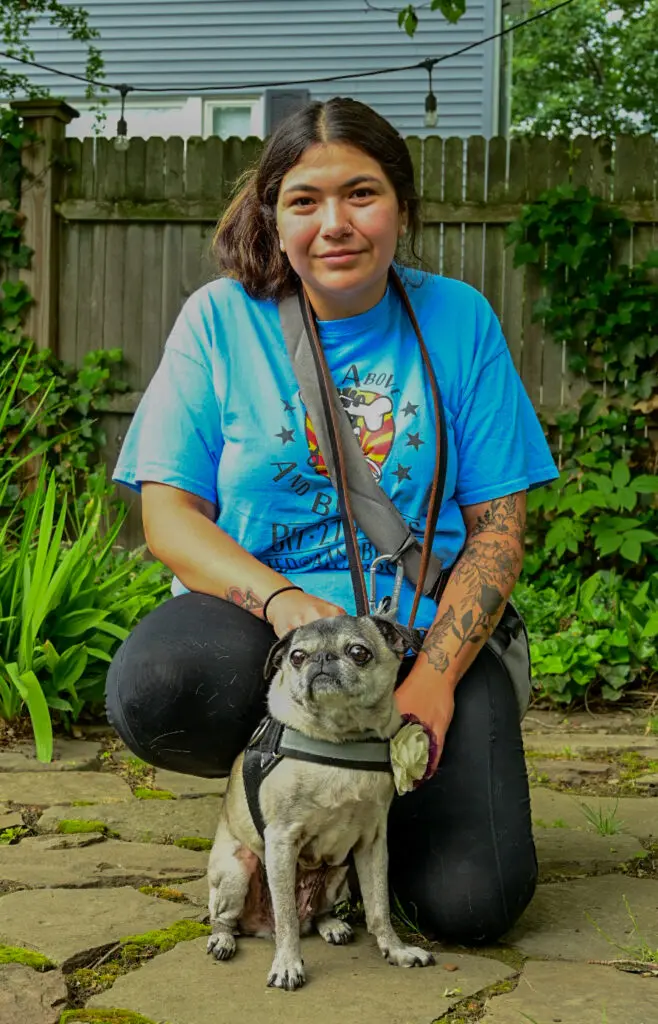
{"x":281,"y":590}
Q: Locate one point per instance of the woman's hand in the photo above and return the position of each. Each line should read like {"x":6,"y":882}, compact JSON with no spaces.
{"x":294,"y":608}
{"x":426,"y":695}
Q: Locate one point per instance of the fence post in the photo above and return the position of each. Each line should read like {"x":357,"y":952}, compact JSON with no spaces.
{"x":40,"y":190}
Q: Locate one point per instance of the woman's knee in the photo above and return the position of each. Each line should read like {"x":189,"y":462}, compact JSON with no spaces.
{"x":186,"y":687}
{"x":478,"y":906}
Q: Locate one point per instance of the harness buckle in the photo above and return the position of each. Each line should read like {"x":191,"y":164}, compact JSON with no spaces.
{"x":388,"y":606}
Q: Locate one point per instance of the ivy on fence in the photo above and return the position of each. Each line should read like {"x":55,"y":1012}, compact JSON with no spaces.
{"x":593,"y":534}
{"x":70,"y":397}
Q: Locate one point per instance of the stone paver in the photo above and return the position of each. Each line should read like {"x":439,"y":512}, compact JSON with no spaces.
{"x":572,"y":773}
{"x":145,"y":821}
{"x":47,"y":861}
{"x":196,"y":892}
{"x":9,"y":819}
{"x":575,"y":994}
{"x":639,"y":815}
{"x":189,"y":785}
{"x":29,"y":996}
{"x":68,"y":755}
{"x":345,"y":984}
{"x":565,"y":851}
{"x":63,"y":924}
{"x":584,"y":743}
{"x":581,"y":721}
{"x":44,"y":789}
{"x":556,"y":925}
{"x":647,"y":782}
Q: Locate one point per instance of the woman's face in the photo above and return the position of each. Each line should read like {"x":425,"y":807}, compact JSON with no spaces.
{"x":337,"y":200}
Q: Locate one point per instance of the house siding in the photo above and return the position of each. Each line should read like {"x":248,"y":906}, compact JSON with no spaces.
{"x":183,"y":46}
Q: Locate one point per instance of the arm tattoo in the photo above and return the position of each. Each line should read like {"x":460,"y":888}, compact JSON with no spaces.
{"x":480,"y":581}
{"x":433,"y":646}
{"x":503,"y":516}
{"x":244,"y":599}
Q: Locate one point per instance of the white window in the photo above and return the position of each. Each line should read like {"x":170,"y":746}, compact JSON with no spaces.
{"x":239,"y":116}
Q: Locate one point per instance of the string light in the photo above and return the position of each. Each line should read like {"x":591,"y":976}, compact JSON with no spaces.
{"x":431,"y":111}
{"x":121,"y":141}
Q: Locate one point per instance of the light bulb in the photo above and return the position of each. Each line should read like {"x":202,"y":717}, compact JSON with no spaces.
{"x":121,"y":141}
{"x":431,"y":111}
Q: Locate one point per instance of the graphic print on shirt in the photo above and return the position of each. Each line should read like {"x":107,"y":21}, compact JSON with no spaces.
{"x":371,"y":417}
{"x":373,"y":405}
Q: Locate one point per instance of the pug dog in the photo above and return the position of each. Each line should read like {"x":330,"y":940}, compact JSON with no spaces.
{"x":331,"y":680}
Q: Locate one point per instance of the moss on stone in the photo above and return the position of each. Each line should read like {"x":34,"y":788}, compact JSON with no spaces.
{"x":132,"y":953}
{"x":163,"y":892}
{"x":82,"y":803}
{"x":193,"y":843}
{"x":73,"y":826}
{"x":142,"y":793}
{"x":164,"y":939}
{"x":99,"y":1016}
{"x":27,"y":957}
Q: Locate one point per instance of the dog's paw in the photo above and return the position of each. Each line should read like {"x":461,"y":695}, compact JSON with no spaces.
{"x":334,"y":931}
{"x":408,"y":956}
{"x":222,"y":945}
{"x":287,"y":974}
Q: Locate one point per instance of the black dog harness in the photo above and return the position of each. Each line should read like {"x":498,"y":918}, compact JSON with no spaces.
{"x":272,"y":741}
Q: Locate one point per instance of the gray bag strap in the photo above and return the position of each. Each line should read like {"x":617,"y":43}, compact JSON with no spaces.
{"x":373,"y":510}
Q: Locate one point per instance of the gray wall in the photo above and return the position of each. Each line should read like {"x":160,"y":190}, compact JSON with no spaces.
{"x":184,"y":44}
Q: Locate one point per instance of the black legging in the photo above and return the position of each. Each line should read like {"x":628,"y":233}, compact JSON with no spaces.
{"x":185,"y":691}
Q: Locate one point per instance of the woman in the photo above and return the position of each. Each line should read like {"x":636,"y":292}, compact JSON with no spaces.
{"x":236,"y":501}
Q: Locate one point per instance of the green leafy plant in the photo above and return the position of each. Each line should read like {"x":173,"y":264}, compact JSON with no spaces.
{"x":600,"y":634}
{"x":68,"y":399}
{"x":603,"y":511}
{"x":603,"y":821}
{"x":640,"y":951}
{"x":64,"y":608}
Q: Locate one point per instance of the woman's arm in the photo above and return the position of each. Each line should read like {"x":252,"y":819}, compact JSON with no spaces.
{"x":469,"y":610}
{"x":180,"y":530}
{"x":480,"y":583}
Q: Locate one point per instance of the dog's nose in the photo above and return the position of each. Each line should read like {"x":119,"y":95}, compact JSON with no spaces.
{"x":324,"y":656}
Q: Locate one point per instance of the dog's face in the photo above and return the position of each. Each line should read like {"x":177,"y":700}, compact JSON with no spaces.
{"x":337,"y":674}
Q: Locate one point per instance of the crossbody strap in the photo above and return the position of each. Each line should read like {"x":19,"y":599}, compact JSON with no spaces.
{"x":376,"y":514}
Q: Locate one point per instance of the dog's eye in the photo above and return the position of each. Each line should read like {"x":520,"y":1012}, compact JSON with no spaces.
{"x":297,"y":658}
{"x":361,"y":655}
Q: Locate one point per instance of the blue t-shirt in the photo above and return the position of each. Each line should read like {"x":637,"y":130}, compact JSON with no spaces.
{"x":223,"y":418}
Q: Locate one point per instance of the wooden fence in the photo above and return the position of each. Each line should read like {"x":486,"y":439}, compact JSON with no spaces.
{"x":122,"y":238}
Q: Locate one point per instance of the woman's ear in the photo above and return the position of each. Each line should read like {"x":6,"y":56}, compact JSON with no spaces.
{"x":277,"y":653}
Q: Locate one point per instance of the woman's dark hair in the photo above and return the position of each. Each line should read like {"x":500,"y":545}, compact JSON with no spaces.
{"x":246,"y":243}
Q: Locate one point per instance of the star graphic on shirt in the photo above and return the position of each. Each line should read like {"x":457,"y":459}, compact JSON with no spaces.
{"x":287,"y":407}
{"x":414,"y":440}
{"x":286,"y":435}
{"x":410,"y":410}
{"x":402,"y":473}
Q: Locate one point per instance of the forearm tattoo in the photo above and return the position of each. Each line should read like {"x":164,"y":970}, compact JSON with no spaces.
{"x":480,"y":582}
{"x":244,"y":599}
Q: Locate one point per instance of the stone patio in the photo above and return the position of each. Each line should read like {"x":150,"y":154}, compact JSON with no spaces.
{"x":102,"y":900}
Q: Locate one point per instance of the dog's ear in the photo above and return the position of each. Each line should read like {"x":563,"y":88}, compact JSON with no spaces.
{"x":276,"y":656}
{"x":398,"y":637}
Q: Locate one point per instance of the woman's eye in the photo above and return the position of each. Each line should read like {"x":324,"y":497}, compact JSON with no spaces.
{"x":360,"y":193}
{"x":297,"y":658}
{"x":359,"y":654}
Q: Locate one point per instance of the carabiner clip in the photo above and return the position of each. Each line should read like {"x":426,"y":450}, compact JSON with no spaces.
{"x":388,"y":606}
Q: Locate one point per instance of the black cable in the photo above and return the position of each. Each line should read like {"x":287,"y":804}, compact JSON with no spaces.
{"x":433,"y":61}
